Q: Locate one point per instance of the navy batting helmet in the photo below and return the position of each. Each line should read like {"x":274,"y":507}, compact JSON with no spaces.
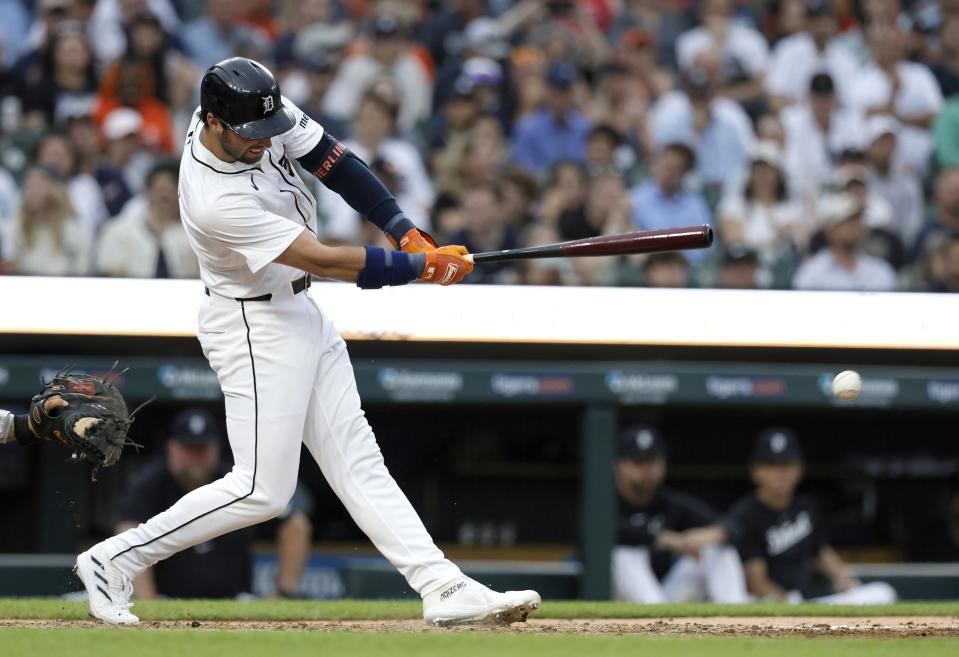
{"x":245,"y":96}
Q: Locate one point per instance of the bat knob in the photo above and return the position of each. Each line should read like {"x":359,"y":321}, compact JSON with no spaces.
{"x":468,"y":258}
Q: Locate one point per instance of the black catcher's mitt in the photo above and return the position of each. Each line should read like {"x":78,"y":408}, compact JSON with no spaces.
{"x":94,"y":424}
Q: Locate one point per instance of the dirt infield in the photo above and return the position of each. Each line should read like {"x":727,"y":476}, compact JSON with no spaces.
{"x":901,"y":627}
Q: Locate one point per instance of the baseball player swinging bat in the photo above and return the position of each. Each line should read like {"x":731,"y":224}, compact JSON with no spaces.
{"x":640,"y":241}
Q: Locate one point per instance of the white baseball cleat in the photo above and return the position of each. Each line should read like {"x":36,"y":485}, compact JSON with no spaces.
{"x":463,"y":601}
{"x":109,"y":589}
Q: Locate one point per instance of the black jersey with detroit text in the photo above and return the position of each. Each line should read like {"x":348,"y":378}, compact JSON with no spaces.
{"x":669,"y":509}
{"x":787,"y":540}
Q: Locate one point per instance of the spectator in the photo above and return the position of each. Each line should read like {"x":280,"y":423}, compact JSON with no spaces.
{"x":947,"y":257}
{"x":9,"y":199}
{"x":738,"y":270}
{"x":899,"y":186}
{"x":388,"y":55}
{"x":931,"y":242}
{"x":170,"y":77}
{"x":798,"y":57}
{"x":36,"y":44}
{"x":780,"y":536}
{"x":946,"y":69}
{"x":842,"y":264}
{"x":312,"y":29}
{"x":669,"y":269}
{"x":652,"y":562}
{"x":67,"y":83}
{"x":319,"y":70}
{"x":127,"y":85}
{"x":558,"y":131}
{"x":221,"y":568}
{"x":486,"y":229}
{"x":147,"y":240}
{"x":90,"y":162}
{"x":945,"y":135}
{"x":620,"y":102}
{"x":717,"y":129}
{"x":56,"y":153}
{"x":111,"y":20}
{"x":816,"y":133}
{"x":518,"y":189}
{"x":737,"y":51}
{"x":451,"y":125}
{"x":905,"y":90}
{"x":121,"y":135}
{"x":565,"y":192}
{"x":219,"y":34}
{"x":662,"y":202}
{"x":761,"y":215}
{"x":375,"y":137}
{"x":478,"y":159}
{"x":45,"y":238}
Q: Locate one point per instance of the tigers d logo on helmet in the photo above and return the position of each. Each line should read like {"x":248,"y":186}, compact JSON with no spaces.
{"x":267,"y":104}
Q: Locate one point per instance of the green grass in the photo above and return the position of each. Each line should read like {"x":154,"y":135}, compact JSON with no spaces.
{"x":24,"y":608}
{"x":161,"y":643}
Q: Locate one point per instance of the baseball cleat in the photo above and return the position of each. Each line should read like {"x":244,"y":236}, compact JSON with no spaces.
{"x":464,"y":601}
{"x":109,"y":589}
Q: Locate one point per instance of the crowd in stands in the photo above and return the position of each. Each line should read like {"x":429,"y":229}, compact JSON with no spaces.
{"x":820,"y":138}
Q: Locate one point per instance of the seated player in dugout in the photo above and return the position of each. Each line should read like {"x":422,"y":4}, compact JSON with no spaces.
{"x":222,"y":567}
{"x":657,"y":559}
{"x":780,"y":533}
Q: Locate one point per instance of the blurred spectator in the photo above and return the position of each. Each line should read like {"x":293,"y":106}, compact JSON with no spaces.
{"x":14,"y":24}
{"x":761,"y":215}
{"x":899,"y":186}
{"x":905,"y":90}
{"x":485,"y":229}
{"x":374,"y":137}
{"x":945,"y":225}
{"x":816,"y":133}
{"x":842,"y":264}
{"x":798,"y":57}
{"x":662,"y":202}
{"x":717,"y":129}
{"x":605,"y":150}
{"x":109,"y":24}
{"x":56,"y":153}
{"x":947,"y":257}
{"x":9,"y":199}
{"x":451,"y":124}
{"x":90,"y":162}
{"x":780,"y":537}
{"x":669,"y":269}
{"x":738,"y":270}
{"x":558,"y":131}
{"x":946,"y":69}
{"x":477,"y":159}
{"x":736,"y":50}
{"x":220,"y":34}
{"x":36,"y":43}
{"x":45,"y":238}
{"x":121,"y":134}
{"x":312,"y":29}
{"x":126,"y":85}
{"x":222,"y":567}
{"x":565,"y":192}
{"x":388,"y":54}
{"x":620,"y":102}
{"x":318,"y":70}
{"x":945,"y":132}
{"x":518,"y":191}
{"x":147,"y":240}
{"x":652,"y":563}
{"x":851,"y":177}
{"x":66,"y":85}
{"x":169,"y":75}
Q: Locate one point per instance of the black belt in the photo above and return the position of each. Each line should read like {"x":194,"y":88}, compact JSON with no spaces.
{"x":298,"y":286}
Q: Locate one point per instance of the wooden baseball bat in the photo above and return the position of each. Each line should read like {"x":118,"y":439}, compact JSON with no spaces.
{"x":639,"y":241}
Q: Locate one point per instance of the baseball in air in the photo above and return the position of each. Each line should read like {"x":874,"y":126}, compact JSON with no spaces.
{"x":847,"y":385}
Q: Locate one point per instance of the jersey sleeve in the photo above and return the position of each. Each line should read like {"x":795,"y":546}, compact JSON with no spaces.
{"x":744,"y":531}
{"x":305,"y":134}
{"x":242,"y":225}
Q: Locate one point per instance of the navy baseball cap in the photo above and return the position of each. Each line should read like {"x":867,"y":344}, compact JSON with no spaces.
{"x":194,"y":426}
{"x":776,"y":445}
{"x":560,"y":75}
{"x":641,"y":441}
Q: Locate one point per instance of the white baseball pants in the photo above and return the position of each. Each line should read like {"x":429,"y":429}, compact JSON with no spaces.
{"x":287,"y":379}
{"x":873,"y":593}
{"x":716,"y":576}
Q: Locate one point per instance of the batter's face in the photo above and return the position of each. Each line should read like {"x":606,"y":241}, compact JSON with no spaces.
{"x":233,"y":147}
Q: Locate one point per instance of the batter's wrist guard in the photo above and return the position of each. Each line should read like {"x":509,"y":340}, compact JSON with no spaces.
{"x":389,"y":268}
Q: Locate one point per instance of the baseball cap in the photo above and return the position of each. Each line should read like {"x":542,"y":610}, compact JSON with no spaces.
{"x":776,"y":445}
{"x":641,"y":441}
{"x":560,"y":75}
{"x":879,"y":125}
{"x":194,"y":426}
{"x":122,"y":122}
{"x":838,"y":207}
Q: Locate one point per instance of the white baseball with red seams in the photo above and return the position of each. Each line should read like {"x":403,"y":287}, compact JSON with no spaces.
{"x":287,"y":380}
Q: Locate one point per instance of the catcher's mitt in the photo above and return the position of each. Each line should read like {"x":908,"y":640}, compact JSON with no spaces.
{"x":94,"y":424}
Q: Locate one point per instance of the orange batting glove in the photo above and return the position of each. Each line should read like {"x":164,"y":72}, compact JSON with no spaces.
{"x":446,"y":265}
{"x":414,"y":241}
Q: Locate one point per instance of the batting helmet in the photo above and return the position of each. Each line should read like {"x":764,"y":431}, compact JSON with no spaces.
{"x":245,"y":96}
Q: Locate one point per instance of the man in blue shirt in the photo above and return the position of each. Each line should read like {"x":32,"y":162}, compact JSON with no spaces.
{"x":661,"y":201}
{"x":558,"y":131}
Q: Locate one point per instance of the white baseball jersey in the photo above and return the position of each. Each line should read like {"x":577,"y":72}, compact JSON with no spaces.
{"x":240,"y":217}
{"x":283,"y":368}
{"x":6,"y":426}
